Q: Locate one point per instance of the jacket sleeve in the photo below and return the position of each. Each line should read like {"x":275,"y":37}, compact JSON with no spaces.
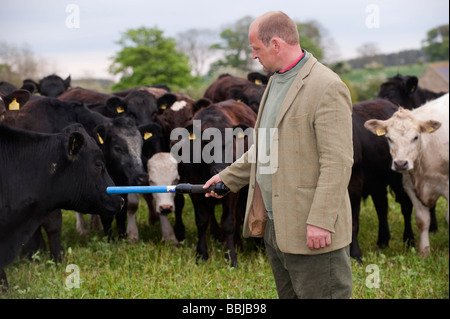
{"x":333,"y":130}
{"x":237,"y":175}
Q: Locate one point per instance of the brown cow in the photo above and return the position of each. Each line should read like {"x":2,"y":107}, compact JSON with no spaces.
{"x":232,"y":87}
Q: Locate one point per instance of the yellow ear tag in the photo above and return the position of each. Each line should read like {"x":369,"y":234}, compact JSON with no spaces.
{"x":240,"y":134}
{"x":147,"y":135}
{"x":120,"y":109}
{"x":239,"y":100}
{"x":14,"y":106}
{"x":430,"y":129}
{"x":381,"y":131}
{"x":413,"y":89}
{"x":192,"y":136}
{"x":100,"y":138}
{"x":258,"y":81}
{"x":163,"y":107}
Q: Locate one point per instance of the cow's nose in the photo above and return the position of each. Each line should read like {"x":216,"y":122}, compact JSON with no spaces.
{"x":165,"y":209}
{"x":401,"y":165}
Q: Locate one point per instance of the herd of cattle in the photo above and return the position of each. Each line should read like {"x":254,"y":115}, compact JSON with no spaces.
{"x":61,"y":149}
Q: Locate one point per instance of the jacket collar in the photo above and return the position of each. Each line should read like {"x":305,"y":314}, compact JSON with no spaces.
{"x":291,"y":94}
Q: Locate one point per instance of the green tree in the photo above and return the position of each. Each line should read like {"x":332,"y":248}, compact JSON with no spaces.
{"x":147,"y":58}
{"x":310,"y":34}
{"x":436,"y":43}
{"x":237,"y":52}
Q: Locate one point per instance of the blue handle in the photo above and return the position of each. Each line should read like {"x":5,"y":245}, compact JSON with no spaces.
{"x":220,"y":188}
{"x":140,"y":189}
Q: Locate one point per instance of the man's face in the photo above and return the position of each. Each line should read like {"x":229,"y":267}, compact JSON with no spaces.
{"x":264,"y":54}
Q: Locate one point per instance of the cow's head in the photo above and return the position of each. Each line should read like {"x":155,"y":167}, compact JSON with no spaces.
{"x":163,"y":170}
{"x":53,"y":85}
{"x":121,"y":143}
{"x":85,"y":174}
{"x":404,"y":135}
{"x":400,"y":90}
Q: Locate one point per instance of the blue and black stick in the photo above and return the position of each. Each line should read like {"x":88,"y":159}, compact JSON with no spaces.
{"x":219,"y":189}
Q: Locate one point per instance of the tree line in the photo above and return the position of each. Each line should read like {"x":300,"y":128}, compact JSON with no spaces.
{"x":148,"y":57}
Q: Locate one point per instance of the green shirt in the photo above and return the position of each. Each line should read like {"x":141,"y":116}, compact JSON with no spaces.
{"x":281,"y":82}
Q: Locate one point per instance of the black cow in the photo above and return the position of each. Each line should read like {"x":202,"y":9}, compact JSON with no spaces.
{"x":404,"y":91}
{"x":119,"y":138}
{"x":232,"y":87}
{"x":140,"y":105}
{"x":42,"y":172}
{"x":50,"y":115}
{"x":176,"y":111}
{"x":372,"y":174}
{"x":228,"y":114}
{"x":51,"y":86}
{"x":121,"y":142}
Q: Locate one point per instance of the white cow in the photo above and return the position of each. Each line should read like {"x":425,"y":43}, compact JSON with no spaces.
{"x":162,"y":170}
{"x":418,"y":142}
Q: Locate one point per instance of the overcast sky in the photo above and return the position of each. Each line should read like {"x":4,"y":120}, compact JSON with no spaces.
{"x":83,"y":47}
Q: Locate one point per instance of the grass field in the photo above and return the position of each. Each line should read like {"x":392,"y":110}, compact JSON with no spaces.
{"x":155,"y":269}
{"x":359,"y":75}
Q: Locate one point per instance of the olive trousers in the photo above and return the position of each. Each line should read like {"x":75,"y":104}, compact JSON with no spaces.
{"x":321,"y":276}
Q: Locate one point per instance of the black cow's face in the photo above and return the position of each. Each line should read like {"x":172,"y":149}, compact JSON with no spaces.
{"x":209,"y":150}
{"x":141,"y":106}
{"x":122,"y":143}
{"x":153,"y":139}
{"x":399,"y":90}
{"x":53,"y":85}
{"x":86,"y":166}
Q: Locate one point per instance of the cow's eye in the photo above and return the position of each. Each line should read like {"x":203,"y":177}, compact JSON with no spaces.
{"x":100,"y":164}
{"x":118,"y":149}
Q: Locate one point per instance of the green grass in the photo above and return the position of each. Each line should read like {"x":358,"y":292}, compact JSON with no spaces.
{"x":155,"y":269}
{"x":359,"y":75}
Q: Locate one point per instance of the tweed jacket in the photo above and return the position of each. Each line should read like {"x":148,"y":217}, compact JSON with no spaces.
{"x":312,"y":167}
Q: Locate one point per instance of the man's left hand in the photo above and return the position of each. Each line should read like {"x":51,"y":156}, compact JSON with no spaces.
{"x":317,"y":237}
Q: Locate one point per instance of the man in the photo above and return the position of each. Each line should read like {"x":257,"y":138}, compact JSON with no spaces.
{"x":298,"y":199}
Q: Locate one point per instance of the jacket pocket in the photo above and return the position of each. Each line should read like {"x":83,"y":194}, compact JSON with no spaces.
{"x":258,"y":215}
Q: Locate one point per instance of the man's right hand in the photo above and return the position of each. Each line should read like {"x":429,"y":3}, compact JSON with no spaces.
{"x":212,"y":181}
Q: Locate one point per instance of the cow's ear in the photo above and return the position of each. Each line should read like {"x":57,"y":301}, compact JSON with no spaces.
{"x":116,"y":105}
{"x":411,"y":84}
{"x":376,"y":127}
{"x":238,"y":95}
{"x":30,"y":86}
{"x":257,"y":78}
{"x":100,"y":134}
{"x":15,"y":100}
{"x":203,"y":102}
{"x":147,"y":131}
{"x":75,"y":144}
{"x":165,"y":102}
{"x":67,"y":82}
{"x":429,"y":126}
